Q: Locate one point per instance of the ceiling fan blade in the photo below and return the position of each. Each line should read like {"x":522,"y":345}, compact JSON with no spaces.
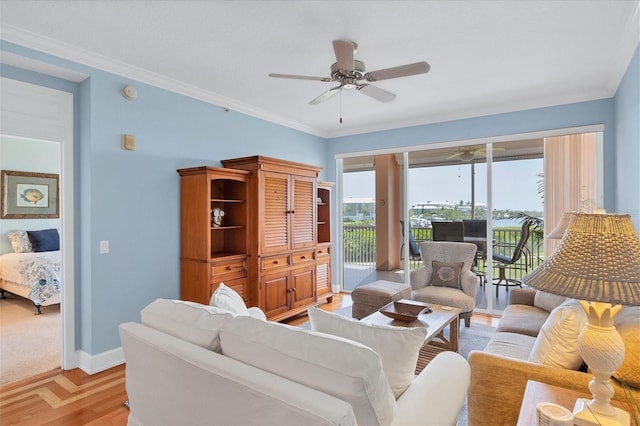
{"x":376,"y":93}
{"x":344,"y":54}
{"x":326,"y":95}
{"x":400,"y":71}
{"x":299,"y":77}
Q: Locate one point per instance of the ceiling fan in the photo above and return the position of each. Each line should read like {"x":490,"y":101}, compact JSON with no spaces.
{"x":351,"y":73}
{"x":469,"y":153}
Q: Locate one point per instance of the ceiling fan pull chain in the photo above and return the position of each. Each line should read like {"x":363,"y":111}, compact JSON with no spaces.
{"x":341,"y":105}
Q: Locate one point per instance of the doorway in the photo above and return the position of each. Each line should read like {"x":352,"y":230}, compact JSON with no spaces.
{"x":32,"y":112}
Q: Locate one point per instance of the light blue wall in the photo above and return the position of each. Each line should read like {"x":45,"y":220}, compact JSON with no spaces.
{"x":627,"y":122}
{"x":132,"y":198}
{"x":27,"y":156}
{"x":556,"y":117}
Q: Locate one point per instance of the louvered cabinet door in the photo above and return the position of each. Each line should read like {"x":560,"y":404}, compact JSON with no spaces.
{"x":303,"y":218}
{"x":276,"y":212}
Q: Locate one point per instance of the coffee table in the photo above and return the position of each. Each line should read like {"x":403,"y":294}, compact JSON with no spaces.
{"x":435,"y":323}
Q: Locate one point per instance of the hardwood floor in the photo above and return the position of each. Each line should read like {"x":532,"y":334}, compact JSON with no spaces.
{"x":75,"y":398}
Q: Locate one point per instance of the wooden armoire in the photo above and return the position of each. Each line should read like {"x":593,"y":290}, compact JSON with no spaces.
{"x":275,"y":245}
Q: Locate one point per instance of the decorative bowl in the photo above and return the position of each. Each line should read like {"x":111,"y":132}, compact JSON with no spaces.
{"x":405,"y":310}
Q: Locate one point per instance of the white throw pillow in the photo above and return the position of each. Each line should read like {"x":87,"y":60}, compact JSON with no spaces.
{"x":196,"y":323}
{"x":333,"y":365}
{"x":397,"y":346}
{"x":227,"y":298}
{"x":557,"y":342}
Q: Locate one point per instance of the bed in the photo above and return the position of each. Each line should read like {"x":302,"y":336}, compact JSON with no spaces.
{"x":35,"y":276}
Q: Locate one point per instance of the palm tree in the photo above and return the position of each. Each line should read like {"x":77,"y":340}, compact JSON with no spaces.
{"x":536,"y":224}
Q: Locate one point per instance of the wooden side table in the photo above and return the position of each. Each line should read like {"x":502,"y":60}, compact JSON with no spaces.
{"x":536,"y":392}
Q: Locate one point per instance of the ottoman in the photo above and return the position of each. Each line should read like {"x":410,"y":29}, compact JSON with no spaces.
{"x":368,"y":298}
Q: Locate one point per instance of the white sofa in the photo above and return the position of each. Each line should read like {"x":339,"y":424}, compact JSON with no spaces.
{"x":189,"y":364}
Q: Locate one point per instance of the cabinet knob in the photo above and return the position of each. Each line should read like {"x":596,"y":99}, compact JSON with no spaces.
{"x":229,"y":268}
{"x":275,"y":262}
{"x":303,"y":257}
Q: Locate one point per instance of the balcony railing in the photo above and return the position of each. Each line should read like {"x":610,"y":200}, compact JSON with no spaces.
{"x":360,"y":247}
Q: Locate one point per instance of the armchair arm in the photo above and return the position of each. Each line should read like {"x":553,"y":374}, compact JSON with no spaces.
{"x":498,"y":383}
{"x":419,"y":278}
{"x":469,"y":283}
{"x":522,"y":296}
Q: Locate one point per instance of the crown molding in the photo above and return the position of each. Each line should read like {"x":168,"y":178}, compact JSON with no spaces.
{"x":72,"y":53}
{"x":472,"y":113}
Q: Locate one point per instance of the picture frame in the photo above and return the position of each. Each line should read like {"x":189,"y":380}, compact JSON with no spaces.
{"x":28,"y":195}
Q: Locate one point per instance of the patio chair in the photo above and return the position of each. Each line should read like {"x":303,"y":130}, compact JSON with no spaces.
{"x":477,"y":228}
{"x":414,"y":251}
{"x":447,"y":231}
{"x":515,"y":257}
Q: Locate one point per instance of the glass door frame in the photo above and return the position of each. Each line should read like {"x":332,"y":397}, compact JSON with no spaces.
{"x":405,"y":150}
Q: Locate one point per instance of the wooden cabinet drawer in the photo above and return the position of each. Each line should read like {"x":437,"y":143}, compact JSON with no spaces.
{"x":275,"y":262}
{"x":234,"y":266}
{"x":323,"y":251}
{"x":304,"y":257}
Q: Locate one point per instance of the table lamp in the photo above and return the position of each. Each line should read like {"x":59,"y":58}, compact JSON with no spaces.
{"x":597,"y":262}
{"x":558,"y":232}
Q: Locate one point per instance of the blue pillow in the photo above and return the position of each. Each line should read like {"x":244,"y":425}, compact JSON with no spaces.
{"x":45,"y":240}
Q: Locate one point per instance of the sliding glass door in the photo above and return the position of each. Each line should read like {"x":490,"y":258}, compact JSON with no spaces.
{"x":495,"y":189}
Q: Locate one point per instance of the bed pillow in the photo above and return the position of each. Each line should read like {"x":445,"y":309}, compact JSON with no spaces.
{"x":557,"y":342}
{"x":228,"y":299}
{"x":20,"y":241}
{"x":446,"y":274}
{"x":45,"y":240}
{"x":398,"y":347}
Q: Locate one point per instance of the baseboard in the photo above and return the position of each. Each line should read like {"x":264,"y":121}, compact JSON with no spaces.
{"x":92,"y":364}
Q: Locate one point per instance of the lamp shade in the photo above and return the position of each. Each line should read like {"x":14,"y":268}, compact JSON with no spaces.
{"x":598,"y":260}
{"x":558,"y":232}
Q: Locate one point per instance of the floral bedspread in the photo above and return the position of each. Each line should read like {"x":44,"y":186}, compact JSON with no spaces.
{"x":38,"y":273}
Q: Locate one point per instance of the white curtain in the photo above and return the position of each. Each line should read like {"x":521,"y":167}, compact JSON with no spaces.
{"x":570,"y":176}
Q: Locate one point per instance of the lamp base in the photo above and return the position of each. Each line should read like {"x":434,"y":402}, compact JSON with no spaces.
{"x":584,"y":416}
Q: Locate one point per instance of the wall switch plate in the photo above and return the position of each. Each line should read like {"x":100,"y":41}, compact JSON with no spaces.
{"x":104,"y":247}
{"x":129,"y":142}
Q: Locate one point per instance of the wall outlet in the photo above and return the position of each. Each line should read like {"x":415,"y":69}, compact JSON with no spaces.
{"x":104,"y":247}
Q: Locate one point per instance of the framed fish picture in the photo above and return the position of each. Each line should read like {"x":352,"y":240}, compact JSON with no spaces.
{"x":27,"y":195}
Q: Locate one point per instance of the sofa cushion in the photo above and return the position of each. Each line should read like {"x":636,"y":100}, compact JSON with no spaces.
{"x":627,"y":323}
{"x":446,"y":274}
{"x":557,"y":343}
{"x":522,"y":319}
{"x":193,"y":322}
{"x":397,"y":346}
{"x":339,"y":367}
{"x":228,"y":299}
{"x":446,"y":296}
{"x":547,"y":301}
{"x":511,"y":345}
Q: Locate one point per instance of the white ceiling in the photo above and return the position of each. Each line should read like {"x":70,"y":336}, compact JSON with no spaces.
{"x":486,"y":56}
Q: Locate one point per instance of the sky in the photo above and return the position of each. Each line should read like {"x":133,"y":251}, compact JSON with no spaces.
{"x":515,"y":184}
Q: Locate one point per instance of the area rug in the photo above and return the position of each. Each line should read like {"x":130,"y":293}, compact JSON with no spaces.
{"x":29,"y":344}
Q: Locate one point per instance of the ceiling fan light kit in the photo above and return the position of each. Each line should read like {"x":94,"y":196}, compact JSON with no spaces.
{"x":350,"y":73}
